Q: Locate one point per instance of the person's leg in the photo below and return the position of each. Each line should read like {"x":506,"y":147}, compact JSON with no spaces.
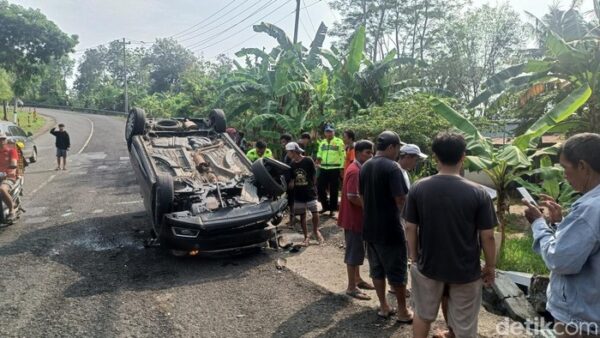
{"x":6,"y":198}
{"x":322,"y":189}
{"x":378,"y":276}
{"x":334,"y":187}
{"x":400,"y":292}
{"x":57,"y":162}
{"x":351,"y":270}
{"x":312,"y":207}
{"x":464,"y":302}
{"x":64,"y":160}
{"x":426,"y":295}
{"x":304,"y":228}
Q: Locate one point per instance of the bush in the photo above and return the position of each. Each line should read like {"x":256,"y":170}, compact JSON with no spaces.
{"x":411,"y":117}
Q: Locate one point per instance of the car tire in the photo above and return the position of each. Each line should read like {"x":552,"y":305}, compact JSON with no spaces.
{"x":135,"y":125}
{"x":162,"y":202}
{"x":265,"y":171}
{"x":218,"y":120}
{"x":34,"y":156}
{"x":168,"y":125}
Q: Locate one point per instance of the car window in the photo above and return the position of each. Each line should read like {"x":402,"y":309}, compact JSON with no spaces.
{"x":6,"y":130}
{"x":13,"y":131}
{"x":20,"y":132}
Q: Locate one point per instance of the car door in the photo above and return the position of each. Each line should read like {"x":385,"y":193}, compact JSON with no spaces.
{"x":28,"y":140}
{"x":18,"y":135}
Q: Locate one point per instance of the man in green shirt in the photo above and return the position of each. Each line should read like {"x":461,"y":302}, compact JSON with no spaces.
{"x":331,"y":154}
{"x":260,"y":150}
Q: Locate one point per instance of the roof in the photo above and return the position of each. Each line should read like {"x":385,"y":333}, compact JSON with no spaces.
{"x":546,"y":139}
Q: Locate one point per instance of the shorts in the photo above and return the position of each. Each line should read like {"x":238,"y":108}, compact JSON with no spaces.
{"x":389,"y":261}
{"x":9,"y":182}
{"x":355,"y":248}
{"x":61,"y":152}
{"x":300,"y":207}
{"x":464,"y":301}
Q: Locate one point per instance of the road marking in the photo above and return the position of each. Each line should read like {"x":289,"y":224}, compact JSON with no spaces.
{"x":42,"y":185}
{"x":89,"y":137}
{"x":130,"y":202}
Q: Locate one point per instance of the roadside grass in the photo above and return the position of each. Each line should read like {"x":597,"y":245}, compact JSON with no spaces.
{"x":518,"y":255}
{"x":27,"y":122}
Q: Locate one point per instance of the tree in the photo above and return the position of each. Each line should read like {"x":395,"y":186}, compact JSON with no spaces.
{"x":565,"y":66}
{"x":28,"y":40}
{"x":168,"y":60}
{"x":6,"y":92}
{"x":505,"y":164}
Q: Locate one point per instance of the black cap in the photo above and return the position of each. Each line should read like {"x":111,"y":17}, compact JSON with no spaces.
{"x":386,"y":139}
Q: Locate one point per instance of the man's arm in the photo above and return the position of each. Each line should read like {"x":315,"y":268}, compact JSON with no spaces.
{"x":68,"y":140}
{"x":53,"y":131}
{"x":411,"y":239}
{"x":488,"y":243}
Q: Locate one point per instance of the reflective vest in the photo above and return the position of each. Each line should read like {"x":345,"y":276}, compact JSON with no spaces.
{"x":332,"y":153}
{"x":253,"y":155}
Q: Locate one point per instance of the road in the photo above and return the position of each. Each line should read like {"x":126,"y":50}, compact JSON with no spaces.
{"x":75,"y":264}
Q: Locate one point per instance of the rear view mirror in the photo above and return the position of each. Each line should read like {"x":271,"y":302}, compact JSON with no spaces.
{"x":29,"y":134}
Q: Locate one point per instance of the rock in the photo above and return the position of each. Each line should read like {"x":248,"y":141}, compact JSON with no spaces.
{"x":537,"y":292}
{"x":516,"y":304}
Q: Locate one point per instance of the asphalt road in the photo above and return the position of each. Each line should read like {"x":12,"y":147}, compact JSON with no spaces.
{"x":75,"y":265}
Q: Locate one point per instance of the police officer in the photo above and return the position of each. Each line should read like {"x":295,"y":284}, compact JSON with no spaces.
{"x":331,"y":154}
{"x":259,"y":151}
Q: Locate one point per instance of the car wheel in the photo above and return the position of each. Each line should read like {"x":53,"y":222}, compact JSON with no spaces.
{"x":268,"y":173}
{"x":33,"y":157}
{"x":136,"y":122}
{"x":162,"y":201}
{"x":218,"y":120}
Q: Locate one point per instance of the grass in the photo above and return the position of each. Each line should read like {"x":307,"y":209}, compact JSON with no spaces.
{"x":518,"y":255}
{"x":26,"y":120}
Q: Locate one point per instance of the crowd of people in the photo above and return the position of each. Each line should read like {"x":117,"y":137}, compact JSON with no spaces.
{"x":440,"y":226}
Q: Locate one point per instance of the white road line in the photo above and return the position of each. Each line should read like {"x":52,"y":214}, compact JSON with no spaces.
{"x":42,"y":185}
{"x":89,"y":137}
{"x":129,"y":202}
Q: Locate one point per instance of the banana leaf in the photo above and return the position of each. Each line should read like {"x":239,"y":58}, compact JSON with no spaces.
{"x":457,"y":120}
{"x":355,"y":51}
{"x":275,"y":32}
{"x":559,"y":113}
{"x":513,"y":156}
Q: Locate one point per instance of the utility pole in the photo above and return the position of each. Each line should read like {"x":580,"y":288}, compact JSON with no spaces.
{"x":297,"y":21}
{"x":125,"y":73}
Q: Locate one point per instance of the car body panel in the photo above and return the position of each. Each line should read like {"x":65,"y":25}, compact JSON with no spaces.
{"x":15,"y":134}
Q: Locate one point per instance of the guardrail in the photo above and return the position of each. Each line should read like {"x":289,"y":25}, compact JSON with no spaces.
{"x":77,"y":109}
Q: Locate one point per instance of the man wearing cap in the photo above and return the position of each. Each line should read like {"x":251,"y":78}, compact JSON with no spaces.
{"x":260,"y":150}
{"x":330,"y":159}
{"x":383,"y":191}
{"x":8,"y":165}
{"x":410,"y":154}
{"x":63,"y":143}
{"x":303,"y":179}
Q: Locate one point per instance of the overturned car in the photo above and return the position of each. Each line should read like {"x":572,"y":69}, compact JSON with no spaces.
{"x":199,"y":189}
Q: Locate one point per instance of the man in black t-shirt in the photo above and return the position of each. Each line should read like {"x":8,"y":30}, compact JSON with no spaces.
{"x":383,"y":191}
{"x":447,"y":217}
{"x":303,"y":182}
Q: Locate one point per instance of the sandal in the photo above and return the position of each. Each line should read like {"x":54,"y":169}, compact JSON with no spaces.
{"x":387,"y":315}
{"x":306,"y":242}
{"x":405,"y":320}
{"x":356,"y":293}
{"x":365,"y":286}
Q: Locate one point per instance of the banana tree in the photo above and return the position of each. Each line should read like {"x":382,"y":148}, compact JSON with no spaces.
{"x":570,"y":60}
{"x":274,"y":91}
{"x":505,"y":164}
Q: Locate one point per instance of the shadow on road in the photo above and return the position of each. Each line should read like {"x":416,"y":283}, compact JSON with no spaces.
{"x":109,"y":255}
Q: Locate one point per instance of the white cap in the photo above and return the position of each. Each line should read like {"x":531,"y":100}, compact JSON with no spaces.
{"x":412,"y":149}
{"x":293,"y":146}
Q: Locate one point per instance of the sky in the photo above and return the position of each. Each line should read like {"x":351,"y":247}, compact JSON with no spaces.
{"x":208,"y":27}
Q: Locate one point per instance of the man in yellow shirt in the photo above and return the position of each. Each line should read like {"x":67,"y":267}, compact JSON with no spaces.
{"x":331,"y":154}
{"x":260,"y":150}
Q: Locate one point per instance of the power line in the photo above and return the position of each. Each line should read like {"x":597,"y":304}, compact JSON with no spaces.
{"x":308,"y":15}
{"x":199,"y":23}
{"x":199,"y":44}
{"x":188,"y":38}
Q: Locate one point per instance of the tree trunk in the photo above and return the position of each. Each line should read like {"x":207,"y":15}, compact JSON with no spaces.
{"x":422,"y":37}
{"x":5,"y":108}
{"x":378,"y":34}
{"x":502,"y":209}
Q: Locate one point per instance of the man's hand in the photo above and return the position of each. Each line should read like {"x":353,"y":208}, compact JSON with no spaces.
{"x":488,"y":275}
{"x":532,"y":212}
{"x":554,"y":209}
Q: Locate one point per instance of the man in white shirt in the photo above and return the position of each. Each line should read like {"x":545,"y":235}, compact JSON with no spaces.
{"x":410,"y":154}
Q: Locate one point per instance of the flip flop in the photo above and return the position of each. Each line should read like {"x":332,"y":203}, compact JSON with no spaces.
{"x":406,"y":320}
{"x":387,"y":315}
{"x":365,"y":286}
{"x":358,"y":294}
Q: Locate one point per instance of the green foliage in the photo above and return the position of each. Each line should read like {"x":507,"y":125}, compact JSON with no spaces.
{"x":517,"y":255}
{"x":5,"y":86}
{"x":28,"y":41}
{"x":167,"y":60}
{"x":166,"y":104}
{"x":412,"y":118}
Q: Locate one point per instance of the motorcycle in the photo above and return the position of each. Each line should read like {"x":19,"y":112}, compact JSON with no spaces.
{"x":17,"y":190}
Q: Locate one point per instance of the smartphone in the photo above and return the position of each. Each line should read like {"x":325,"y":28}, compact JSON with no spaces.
{"x":527,"y":196}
